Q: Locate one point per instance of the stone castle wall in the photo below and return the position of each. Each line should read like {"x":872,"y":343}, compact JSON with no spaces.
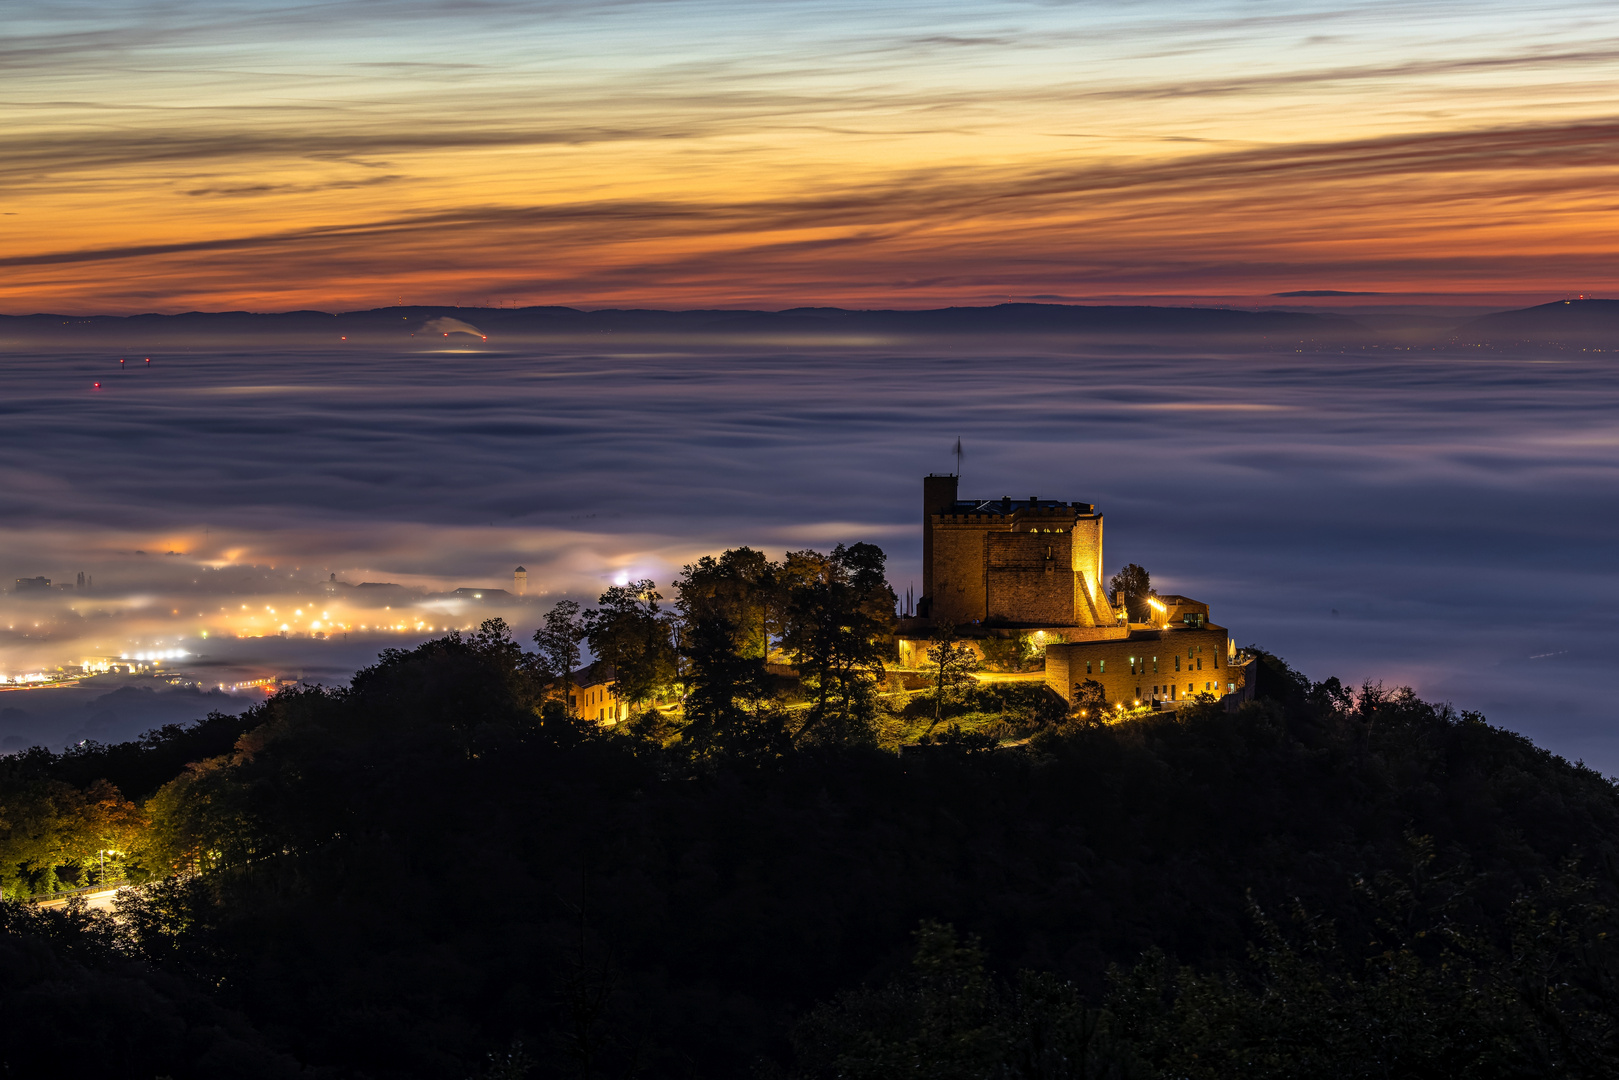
{"x":959,"y":593}
{"x":1030,"y":577}
{"x":1169,"y":664}
{"x":1087,"y":548}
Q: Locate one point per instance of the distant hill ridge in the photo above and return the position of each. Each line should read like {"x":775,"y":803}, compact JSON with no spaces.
{"x":1001,"y":318}
{"x":1560,"y":320}
{"x":1579,"y":320}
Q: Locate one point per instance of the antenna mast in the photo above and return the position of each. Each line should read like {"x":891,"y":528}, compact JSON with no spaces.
{"x":958,"y":457}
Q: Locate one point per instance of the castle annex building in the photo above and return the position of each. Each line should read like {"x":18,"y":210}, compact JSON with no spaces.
{"x":997,"y":567}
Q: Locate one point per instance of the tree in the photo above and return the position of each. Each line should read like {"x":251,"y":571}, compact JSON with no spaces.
{"x":728,"y":695}
{"x":731,"y":608}
{"x":54,"y":835}
{"x":459,"y":682}
{"x":557,"y":645}
{"x":1009,"y":653}
{"x":949,"y":1019}
{"x":1089,"y":697}
{"x":626,"y":632}
{"x":839,"y":628}
{"x":1131,"y":586}
{"x":952,"y":662}
{"x":743,"y":588}
{"x":492,"y":642}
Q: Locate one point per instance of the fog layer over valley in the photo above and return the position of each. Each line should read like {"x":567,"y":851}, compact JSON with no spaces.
{"x":1434,"y":517}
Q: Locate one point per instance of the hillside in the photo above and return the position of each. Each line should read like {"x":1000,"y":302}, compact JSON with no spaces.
{"x":1577,"y":321}
{"x":423,"y":875}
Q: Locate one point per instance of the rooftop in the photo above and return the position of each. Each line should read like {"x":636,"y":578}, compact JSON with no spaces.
{"x":1008,"y":505}
{"x":1172,"y":628}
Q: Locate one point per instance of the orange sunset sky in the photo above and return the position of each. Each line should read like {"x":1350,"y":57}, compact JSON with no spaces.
{"x":189,"y":155}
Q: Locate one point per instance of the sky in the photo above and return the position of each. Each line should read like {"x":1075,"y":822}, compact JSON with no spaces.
{"x":682,"y":153}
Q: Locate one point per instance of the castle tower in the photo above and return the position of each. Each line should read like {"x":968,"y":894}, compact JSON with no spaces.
{"x":520,"y":581}
{"x":1000,"y":561}
{"x":938,"y":497}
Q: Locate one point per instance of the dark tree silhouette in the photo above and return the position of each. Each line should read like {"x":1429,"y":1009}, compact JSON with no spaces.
{"x":1131,"y":586}
{"x":626,"y":631}
{"x":953,"y":663}
{"x":1089,"y":697}
{"x":557,"y":647}
{"x":741,"y":586}
{"x":839,"y":629}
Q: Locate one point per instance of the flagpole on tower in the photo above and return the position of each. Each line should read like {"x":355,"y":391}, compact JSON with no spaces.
{"x":958,"y":458}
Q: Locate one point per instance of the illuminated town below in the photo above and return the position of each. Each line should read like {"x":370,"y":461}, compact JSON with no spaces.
{"x":45,"y":644}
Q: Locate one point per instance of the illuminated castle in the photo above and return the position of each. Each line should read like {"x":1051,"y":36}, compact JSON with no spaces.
{"x":999,"y":567}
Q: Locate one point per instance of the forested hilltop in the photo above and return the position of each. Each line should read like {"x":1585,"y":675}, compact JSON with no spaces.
{"x":437,"y":872}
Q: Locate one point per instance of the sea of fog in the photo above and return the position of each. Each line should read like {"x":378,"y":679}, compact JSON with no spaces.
{"x":1442,"y":519}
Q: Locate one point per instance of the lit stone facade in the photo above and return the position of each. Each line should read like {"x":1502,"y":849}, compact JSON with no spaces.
{"x":1170,"y":663}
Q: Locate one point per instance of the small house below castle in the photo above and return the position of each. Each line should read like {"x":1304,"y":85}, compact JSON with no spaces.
{"x":594,"y":695}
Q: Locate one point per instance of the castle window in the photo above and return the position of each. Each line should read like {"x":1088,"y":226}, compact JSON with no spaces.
{"x":1200,"y":663}
{"x":1104,"y":668}
{"x":1087,"y":667}
{"x":1155,"y":665}
{"x":1177,"y":662}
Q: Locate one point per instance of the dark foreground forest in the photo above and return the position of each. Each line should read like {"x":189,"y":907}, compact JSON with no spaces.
{"x":433,"y":873}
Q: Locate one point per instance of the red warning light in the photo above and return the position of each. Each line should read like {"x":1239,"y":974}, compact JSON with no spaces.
{"x":345,"y":337}
{"x":98,"y":386}
{"x":148,"y":359}
{"x":120,"y":360}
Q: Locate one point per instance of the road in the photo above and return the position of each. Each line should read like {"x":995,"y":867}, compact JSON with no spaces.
{"x":98,"y":900}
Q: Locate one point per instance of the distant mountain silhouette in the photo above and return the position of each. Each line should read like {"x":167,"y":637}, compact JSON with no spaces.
{"x":1564,"y":320}
{"x":507,"y":322}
